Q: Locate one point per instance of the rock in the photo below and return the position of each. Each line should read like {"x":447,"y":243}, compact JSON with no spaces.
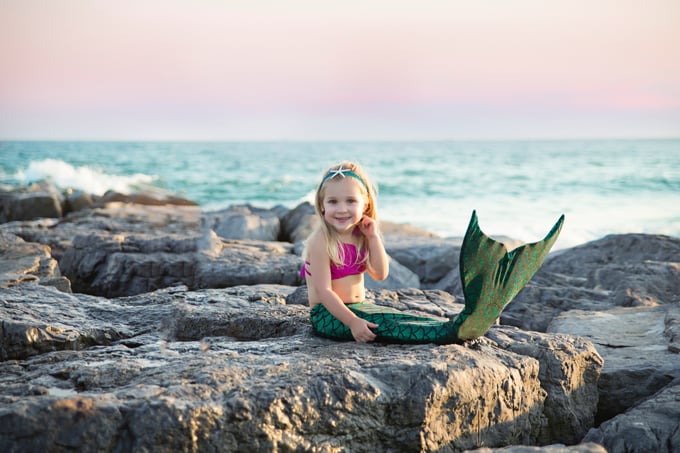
{"x":298,"y":223}
{"x":402,"y":230}
{"x":637,"y":358}
{"x":43,"y":200}
{"x":451,"y":282}
{"x":299,"y":296}
{"x":111,"y":218}
{"x":587,"y":447}
{"x":653,"y":425}
{"x":572,"y":402}
{"x":582,"y":260}
{"x":236,"y":369}
{"x":429,"y":258}
{"x":672,"y":328}
{"x":37,"y":319}
{"x":76,"y":200}
{"x":28,"y":206}
{"x":22,"y":262}
{"x":124,"y":265}
{"x":248,"y":263}
{"x":617,"y":270}
{"x":398,"y":278}
{"x":622,"y":293}
{"x":245,"y":222}
{"x":151,"y":197}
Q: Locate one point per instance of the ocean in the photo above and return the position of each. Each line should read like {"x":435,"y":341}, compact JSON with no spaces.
{"x":518,"y":188}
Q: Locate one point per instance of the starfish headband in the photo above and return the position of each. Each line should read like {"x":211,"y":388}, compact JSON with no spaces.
{"x":342,"y":172}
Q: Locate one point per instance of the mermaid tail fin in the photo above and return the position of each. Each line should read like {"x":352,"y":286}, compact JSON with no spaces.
{"x":491,"y":276}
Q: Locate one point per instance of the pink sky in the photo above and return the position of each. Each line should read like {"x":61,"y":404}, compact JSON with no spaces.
{"x":292,"y":69}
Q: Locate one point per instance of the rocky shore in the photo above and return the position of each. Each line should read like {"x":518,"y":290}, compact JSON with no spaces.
{"x":142,"y":323}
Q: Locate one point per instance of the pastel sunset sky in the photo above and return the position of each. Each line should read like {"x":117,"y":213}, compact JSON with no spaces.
{"x":339,"y":70}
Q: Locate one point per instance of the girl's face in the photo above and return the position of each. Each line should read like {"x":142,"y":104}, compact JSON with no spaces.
{"x":343,"y":204}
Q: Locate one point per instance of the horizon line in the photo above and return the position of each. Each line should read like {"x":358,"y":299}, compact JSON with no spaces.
{"x":339,"y":140}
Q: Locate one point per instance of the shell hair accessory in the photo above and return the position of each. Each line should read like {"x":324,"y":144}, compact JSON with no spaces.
{"x":340,"y":171}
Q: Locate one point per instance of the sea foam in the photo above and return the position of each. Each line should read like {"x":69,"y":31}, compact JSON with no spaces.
{"x":86,"y":178}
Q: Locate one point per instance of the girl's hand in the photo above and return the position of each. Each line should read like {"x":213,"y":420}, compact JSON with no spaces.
{"x":361,"y":330}
{"x":368,"y":226}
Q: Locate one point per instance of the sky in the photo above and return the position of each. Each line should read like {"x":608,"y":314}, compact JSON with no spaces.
{"x":339,"y":70}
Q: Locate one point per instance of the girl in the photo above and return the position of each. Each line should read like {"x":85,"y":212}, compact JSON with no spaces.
{"x":347,"y":243}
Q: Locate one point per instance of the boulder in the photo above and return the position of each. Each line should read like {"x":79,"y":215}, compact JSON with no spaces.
{"x":150,"y":197}
{"x":586,"y":447}
{"x":617,"y":270}
{"x":127,"y":264}
{"x":28,"y":206}
{"x":571,"y":402}
{"x":633,"y":343}
{"x":237,"y":369}
{"x":76,"y":200}
{"x":22,"y":262}
{"x":298,"y":223}
{"x":653,"y":425}
{"x":398,"y":278}
{"x":430,"y":258}
{"x":245,"y":222}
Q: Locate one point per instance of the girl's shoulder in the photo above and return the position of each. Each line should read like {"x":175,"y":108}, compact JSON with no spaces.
{"x":316,"y":239}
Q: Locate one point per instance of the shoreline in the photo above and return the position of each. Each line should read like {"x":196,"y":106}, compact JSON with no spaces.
{"x":519,"y":228}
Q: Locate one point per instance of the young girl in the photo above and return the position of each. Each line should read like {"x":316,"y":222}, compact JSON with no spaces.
{"x":347,"y":243}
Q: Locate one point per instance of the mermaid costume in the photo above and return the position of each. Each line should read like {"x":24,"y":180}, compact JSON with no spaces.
{"x":491,"y":278}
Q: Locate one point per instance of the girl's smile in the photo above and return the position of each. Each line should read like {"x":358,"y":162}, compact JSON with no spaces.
{"x":343,"y":204}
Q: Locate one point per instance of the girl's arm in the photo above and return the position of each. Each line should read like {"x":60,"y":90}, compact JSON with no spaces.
{"x":378,"y":262}
{"x":320,"y":279}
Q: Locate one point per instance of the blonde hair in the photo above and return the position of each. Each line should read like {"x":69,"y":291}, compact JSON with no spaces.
{"x":368,"y":190}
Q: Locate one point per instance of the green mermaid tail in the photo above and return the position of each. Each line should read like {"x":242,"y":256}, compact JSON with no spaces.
{"x":394,"y":326}
{"x":491,"y":277}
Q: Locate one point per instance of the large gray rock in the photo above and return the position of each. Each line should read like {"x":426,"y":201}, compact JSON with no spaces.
{"x":37,"y":319}
{"x":586,"y":447}
{"x":635,"y":348}
{"x":298,"y":223}
{"x":653,"y":425}
{"x":110,"y":218}
{"x":76,"y":200}
{"x":571,"y":403}
{"x":245,"y":222}
{"x":29,"y":206}
{"x":248,"y":263}
{"x":399,"y":277}
{"x":44,"y":200}
{"x":237,"y":369}
{"x":429,"y":258}
{"x":617,"y":270}
{"x":127,"y":264}
{"x":622,"y":293}
{"x":22,"y":262}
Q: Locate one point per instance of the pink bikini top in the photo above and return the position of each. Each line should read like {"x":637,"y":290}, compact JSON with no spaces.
{"x":350,"y":266}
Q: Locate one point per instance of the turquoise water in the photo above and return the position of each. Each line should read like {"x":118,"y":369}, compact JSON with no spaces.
{"x":518,"y":188}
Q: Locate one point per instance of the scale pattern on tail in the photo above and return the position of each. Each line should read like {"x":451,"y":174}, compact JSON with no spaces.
{"x":394,"y":326}
{"x":491,"y":276}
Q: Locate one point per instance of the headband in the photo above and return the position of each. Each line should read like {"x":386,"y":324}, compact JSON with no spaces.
{"x":342,"y":172}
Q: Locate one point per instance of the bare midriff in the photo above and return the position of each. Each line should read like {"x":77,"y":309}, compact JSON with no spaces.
{"x":350,"y":289}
